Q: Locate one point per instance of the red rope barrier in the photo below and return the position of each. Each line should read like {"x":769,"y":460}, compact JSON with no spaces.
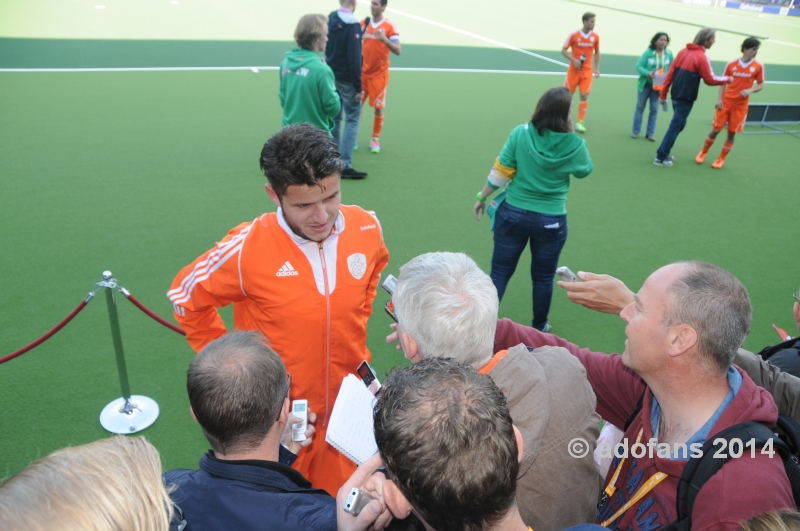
{"x":47,"y":336}
{"x":151,"y":314}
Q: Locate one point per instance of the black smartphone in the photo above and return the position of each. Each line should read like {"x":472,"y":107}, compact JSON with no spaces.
{"x":366,"y":373}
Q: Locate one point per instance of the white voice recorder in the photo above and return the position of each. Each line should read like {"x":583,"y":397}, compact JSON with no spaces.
{"x":300,"y":410}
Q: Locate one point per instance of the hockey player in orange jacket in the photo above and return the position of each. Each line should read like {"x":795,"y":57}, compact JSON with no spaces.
{"x":304,"y":276}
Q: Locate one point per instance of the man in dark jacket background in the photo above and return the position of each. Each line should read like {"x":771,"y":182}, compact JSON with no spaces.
{"x":343,"y":55}
{"x":239,"y":394}
{"x":690,"y":66}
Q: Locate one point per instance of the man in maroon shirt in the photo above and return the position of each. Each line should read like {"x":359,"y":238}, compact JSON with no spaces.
{"x":684,"y":328}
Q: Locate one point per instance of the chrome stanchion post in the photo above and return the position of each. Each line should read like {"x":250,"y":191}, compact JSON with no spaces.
{"x":117,"y":338}
{"x":131,"y":413}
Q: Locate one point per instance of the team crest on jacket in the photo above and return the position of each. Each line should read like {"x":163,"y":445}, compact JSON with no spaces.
{"x":357,"y":264}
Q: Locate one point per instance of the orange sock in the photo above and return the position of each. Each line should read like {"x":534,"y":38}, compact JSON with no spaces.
{"x":582,"y":106}
{"x":377,"y":125}
{"x":726,"y":148}
{"x":708,"y":143}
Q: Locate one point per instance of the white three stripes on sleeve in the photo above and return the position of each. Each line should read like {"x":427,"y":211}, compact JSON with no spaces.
{"x":203,"y":269}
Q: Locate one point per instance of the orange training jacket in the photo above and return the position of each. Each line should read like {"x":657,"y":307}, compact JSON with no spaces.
{"x":311,"y":300}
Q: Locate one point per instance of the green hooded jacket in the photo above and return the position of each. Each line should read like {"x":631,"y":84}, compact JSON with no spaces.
{"x":543,"y":165}
{"x":648,"y":62}
{"x":307,"y":92}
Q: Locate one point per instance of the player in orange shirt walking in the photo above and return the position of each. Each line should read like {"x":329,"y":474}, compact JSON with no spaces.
{"x":734,"y":100}
{"x":380,"y":38}
{"x":584,"y":64}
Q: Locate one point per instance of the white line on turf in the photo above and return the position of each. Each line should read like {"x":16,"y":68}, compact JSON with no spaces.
{"x":143,"y":69}
{"x":257,"y":68}
{"x":469,"y":34}
{"x":783,"y":42}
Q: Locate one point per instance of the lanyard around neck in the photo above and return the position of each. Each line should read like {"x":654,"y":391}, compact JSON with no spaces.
{"x":647,"y":487}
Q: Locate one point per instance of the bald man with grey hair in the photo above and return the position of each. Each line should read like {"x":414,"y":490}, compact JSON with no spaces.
{"x":447,"y":307}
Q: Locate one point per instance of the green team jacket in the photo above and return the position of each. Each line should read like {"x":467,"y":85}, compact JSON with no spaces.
{"x":307,"y":91}
{"x":539,"y":166}
{"x":647,"y":64}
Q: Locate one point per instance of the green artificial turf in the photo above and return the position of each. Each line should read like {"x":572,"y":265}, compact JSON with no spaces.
{"x":140,"y":172}
{"x":93,"y":53}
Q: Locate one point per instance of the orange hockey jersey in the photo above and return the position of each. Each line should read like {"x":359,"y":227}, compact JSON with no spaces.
{"x":311,"y":300}
{"x":583,"y":43}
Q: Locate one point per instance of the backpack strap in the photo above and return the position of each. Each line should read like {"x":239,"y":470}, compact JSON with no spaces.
{"x":714,"y":455}
{"x":767,"y":352}
{"x":635,"y":411}
{"x":791,"y":430}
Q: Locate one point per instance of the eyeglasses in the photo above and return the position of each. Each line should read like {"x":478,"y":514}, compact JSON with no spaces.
{"x":796,"y":295}
{"x":288,"y":385}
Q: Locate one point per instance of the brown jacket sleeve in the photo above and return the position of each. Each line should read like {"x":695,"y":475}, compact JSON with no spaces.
{"x":784,"y":387}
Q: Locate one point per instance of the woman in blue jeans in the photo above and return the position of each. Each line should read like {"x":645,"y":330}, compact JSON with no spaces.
{"x":534,"y":167}
{"x":652,"y":67}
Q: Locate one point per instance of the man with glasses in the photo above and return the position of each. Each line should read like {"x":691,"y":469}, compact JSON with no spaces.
{"x":447,"y":307}
{"x":238,"y":391}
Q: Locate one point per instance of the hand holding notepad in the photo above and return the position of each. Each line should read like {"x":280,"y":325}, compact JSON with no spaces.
{"x":350,"y":426}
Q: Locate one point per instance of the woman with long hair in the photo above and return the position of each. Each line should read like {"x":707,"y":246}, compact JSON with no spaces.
{"x":653,"y":66}
{"x":534,"y":166}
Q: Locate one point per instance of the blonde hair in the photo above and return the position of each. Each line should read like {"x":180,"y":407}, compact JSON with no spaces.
{"x":309,"y":29}
{"x":111,"y":484}
{"x":703,"y":35}
{"x":783,"y":520}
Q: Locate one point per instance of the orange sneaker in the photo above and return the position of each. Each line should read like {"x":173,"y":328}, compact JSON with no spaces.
{"x":701,"y":157}
{"x":718,"y":163}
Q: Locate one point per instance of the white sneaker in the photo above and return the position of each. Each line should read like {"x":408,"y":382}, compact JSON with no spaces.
{"x":666,"y":163}
{"x":670,"y":158}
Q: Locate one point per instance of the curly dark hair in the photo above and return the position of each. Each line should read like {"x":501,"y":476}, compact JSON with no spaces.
{"x":750,"y":43}
{"x":299,"y":155}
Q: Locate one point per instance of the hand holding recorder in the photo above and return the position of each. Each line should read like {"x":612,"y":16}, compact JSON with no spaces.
{"x":373,"y":515}
{"x":299,"y":430}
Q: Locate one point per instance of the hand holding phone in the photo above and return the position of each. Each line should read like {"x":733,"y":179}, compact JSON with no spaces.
{"x":567,"y":275}
{"x":602,"y":293}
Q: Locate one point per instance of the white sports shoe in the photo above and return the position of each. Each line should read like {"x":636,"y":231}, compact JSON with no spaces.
{"x":667,"y":163}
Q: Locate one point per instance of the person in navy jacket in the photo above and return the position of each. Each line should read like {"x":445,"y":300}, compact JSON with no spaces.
{"x":239,"y":394}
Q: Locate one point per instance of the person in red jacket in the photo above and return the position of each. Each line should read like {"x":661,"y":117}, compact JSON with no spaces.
{"x":304,"y":276}
{"x":684,"y":328}
{"x":690,"y":66}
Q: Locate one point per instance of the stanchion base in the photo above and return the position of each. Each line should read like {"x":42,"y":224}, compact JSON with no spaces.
{"x":142,"y":413}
